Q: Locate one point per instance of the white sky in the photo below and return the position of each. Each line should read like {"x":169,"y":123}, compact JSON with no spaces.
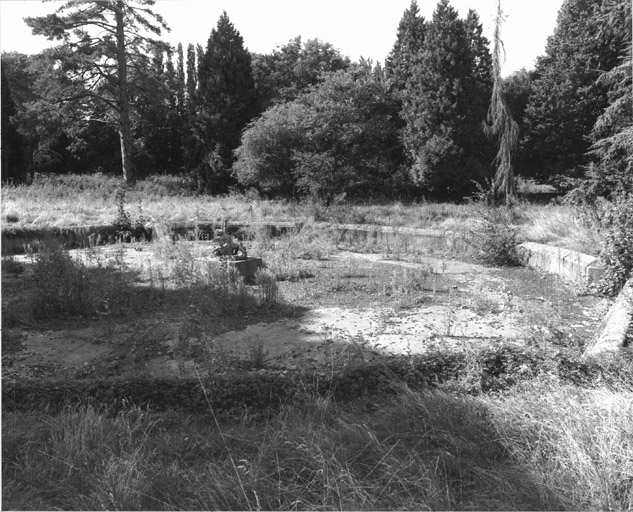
{"x":356,"y":27}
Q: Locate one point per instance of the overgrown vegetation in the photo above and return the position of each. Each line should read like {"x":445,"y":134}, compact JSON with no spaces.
{"x":616,"y":231}
{"x":65,"y":287}
{"x":414,"y":449}
{"x":494,"y":237}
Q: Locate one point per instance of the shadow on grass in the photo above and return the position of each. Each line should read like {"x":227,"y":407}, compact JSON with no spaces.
{"x":411,"y":450}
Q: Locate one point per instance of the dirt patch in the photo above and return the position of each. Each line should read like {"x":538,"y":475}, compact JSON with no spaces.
{"x":354,"y":307}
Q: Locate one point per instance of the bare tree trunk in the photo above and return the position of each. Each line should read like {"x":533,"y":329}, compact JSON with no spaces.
{"x":125,"y":134}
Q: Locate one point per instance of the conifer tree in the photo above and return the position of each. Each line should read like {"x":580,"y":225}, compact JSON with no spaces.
{"x":181,"y":81}
{"x":566,"y":96}
{"x":444,"y":104}
{"x":13,"y":165}
{"x":192,"y":79}
{"x":500,"y":122}
{"x":226,"y":102}
{"x":401,"y":60}
{"x":100,"y":65}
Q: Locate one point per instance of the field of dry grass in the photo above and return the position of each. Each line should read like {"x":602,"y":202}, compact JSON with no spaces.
{"x":66,"y":201}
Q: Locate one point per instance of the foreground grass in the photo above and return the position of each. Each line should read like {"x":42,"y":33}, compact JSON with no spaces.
{"x":541,"y":446}
{"x":65,"y":201}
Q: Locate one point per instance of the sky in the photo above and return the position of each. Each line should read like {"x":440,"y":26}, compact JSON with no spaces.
{"x":357,"y":28}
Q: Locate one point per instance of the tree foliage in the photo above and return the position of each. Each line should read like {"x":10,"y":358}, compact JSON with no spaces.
{"x":341,"y":137}
{"x":290,"y":70}
{"x":225,"y":102}
{"x":500,"y":123}
{"x":444,"y":104}
{"x":611,"y":169}
{"x":13,"y":164}
{"x":103,"y":47}
{"x":566,"y":97}
{"x":409,"y":41}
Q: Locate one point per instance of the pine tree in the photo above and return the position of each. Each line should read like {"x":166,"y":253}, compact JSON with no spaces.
{"x":444,"y":104}
{"x":100,"y":65}
{"x":13,"y":165}
{"x":566,"y":97}
{"x":226,"y":101}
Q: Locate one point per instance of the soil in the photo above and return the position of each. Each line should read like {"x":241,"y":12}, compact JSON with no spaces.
{"x":352,"y":307}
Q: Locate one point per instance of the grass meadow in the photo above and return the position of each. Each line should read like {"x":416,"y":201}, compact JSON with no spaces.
{"x":65,"y":201}
{"x":553,"y":439}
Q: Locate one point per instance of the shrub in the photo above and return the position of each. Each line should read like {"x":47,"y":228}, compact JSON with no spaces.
{"x":616,"y":233}
{"x":64,"y":287}
{"x":494,"y":237}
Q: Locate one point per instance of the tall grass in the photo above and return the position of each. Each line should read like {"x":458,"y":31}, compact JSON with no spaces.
{"x":71,"y":200}
{"x":540,"y":447}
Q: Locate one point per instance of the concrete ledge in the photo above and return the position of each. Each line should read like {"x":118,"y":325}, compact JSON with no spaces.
{"x":570,"y":265}
{"x":401,"y":238}
{"x":615,"y":326}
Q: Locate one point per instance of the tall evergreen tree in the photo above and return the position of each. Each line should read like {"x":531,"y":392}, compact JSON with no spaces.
{"x":181,"y":80}
{"x":410,"y":37}
{"x":192,"y":79}
{"x":13,"y":164}
{"x":566,"y":97}
{"x":444,"y":105}
{"x":99,"y":64}
{"x":226,"y":102}
{"x":611,"y":169}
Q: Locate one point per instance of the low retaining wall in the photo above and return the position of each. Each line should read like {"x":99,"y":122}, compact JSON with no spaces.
{"x":400,"y":238}
{"x":22,"y":240}
{"x":570,"y":265}
{"x":615,"y":326}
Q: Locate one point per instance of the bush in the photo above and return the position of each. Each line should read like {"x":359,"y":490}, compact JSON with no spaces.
{"x":616,"y":233}
{"x":64,"y":287}
{"x":494,"y":237}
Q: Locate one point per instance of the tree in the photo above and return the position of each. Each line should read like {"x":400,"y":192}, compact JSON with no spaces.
{"x":444,"y":104}
{"x":102,"y":45}
{"x":566,"y":97}
{"x":159,"y":124}
{"x":13,"y":165}
{"x":340,"y":137}
{"x":290,"y":70}
{"x":500,"y":122}
{"x":264,"y":158}
{"x":192,"y":80}
{"x":611,"y":169}
{"x":409,"y":41}
{"x":226,"y":102}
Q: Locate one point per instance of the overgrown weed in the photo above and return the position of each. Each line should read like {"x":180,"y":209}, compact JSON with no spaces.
{"x":495,"y":238}
{"x":65,"y":287}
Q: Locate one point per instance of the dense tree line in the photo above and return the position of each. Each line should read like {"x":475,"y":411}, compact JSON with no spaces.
{"x":306,"y":121}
